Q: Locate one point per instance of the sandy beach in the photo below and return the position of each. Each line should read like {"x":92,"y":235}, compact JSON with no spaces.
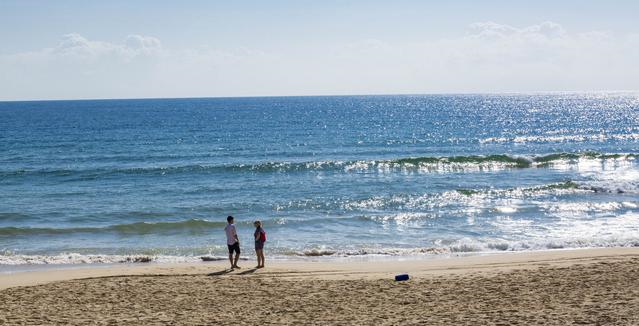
{"x":564,"y":287}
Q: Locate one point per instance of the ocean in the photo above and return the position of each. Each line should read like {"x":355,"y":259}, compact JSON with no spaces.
{"x":107,"y":181}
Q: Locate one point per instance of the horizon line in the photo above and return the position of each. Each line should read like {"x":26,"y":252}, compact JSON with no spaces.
{"x":325,"y":95}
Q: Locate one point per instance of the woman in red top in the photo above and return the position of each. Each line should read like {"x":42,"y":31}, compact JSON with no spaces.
{"x":260,"y":238}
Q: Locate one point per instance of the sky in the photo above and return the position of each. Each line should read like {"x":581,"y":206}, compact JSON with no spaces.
{"x":161,"y":49}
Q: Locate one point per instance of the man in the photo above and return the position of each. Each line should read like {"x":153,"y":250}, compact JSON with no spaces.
{"x":232,"y":241}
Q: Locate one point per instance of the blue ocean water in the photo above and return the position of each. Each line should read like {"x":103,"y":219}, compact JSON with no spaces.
{"x":107,"y":180}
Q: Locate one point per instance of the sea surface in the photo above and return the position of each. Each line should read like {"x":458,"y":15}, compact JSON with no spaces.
{"x":123,"y":180}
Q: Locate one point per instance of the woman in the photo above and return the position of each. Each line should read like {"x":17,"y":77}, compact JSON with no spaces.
{"x":260,"y":238}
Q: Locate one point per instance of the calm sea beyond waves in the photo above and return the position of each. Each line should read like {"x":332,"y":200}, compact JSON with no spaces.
{"x":116,"y":180}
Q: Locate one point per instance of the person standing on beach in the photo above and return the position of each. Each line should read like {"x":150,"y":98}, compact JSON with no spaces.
{"x":232,"y":241}
{"x":260,"y":238}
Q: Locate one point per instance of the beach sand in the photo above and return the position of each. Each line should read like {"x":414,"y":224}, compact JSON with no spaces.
{"x":564,"y":287}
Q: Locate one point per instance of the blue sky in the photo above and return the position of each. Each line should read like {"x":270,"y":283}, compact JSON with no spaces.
{"x":130,"y":49}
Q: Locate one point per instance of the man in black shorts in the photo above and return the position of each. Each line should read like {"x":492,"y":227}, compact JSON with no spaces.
{"x":233,"y":242}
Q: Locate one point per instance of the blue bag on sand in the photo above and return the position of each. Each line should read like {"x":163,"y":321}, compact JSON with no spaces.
{"x":401,"y":277}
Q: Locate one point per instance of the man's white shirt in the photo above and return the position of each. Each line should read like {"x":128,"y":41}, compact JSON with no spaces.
{"x":230,"y":234}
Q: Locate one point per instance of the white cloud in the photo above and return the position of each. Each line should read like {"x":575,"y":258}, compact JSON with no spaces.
{"x":490,"y":57}
{"x":544,"y":31}
{"x":143,"y":43}
{"x":78,"y":47}
{"x":494,"y":57}
{"x":79,"y":68}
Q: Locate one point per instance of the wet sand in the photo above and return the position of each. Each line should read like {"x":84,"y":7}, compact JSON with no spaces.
{"x":577,"y":287}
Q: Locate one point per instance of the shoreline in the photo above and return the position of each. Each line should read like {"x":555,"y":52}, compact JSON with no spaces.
{"x":346,"y":268}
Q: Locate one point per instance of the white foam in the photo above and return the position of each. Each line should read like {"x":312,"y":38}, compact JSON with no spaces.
{"x":616,"y":180}
{"x":75,"y":258}
{"x":580,"y":207}
{"x":506,"y":209}
{"x":560,"y":139}
{"x":442,"y":166}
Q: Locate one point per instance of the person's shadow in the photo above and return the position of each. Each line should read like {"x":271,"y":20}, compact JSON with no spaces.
{"x":226,"y":271}
{"x":248,"y":271}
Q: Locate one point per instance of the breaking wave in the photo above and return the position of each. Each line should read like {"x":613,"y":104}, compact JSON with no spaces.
{"x":458,"y":247}
{"x":469,"y":246}
{"x":421,"y":164}
{"x":75,"y":258}
{"x":439,"y":200}
{"x":477,"y":198}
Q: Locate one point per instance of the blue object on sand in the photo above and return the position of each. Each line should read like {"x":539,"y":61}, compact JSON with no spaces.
{"x":401,"y":277}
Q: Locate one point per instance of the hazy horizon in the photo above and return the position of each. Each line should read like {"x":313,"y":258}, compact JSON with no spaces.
{"x":523,"y":93}
{"x":119,"y":50}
